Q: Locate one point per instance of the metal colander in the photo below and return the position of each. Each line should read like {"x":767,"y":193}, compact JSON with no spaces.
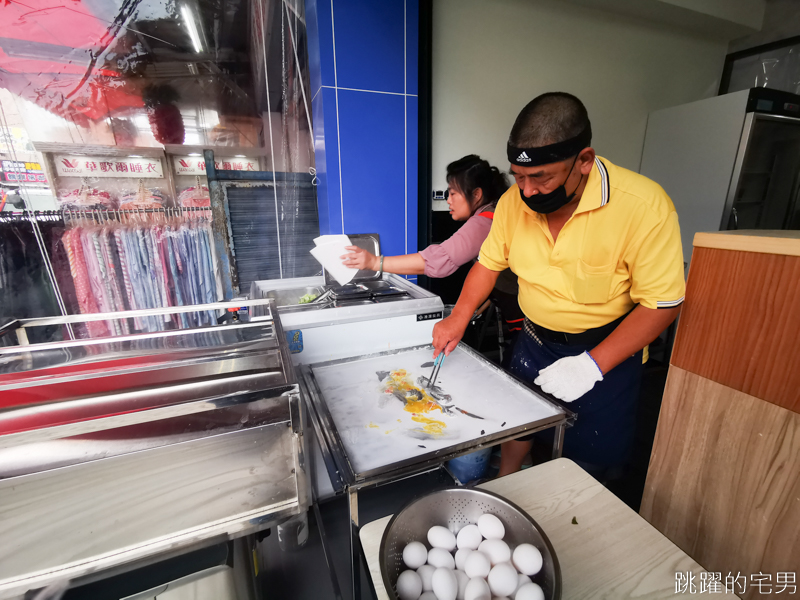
{"x":455,"y":508}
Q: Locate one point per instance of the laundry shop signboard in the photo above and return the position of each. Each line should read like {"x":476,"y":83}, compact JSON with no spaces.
{"x":109,"y":166}
{"x":14,"y":171}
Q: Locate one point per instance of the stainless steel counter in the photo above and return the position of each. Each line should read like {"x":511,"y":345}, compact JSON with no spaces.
{"x":82,"y":519}
{"x":123,"y":451}
{"x":305,"y":316}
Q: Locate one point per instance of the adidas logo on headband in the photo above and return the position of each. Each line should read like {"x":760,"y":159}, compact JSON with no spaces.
{"x":551,"y":153}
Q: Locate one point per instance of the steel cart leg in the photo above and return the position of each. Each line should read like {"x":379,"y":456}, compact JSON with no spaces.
{"x":337,"y":593}
{"x":355,"y":544}
{"x":244,"y":574}
{"x":326,"y":551}
{"x":558,"y":440}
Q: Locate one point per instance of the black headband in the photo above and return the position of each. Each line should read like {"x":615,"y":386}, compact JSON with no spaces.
{"x":533,"y":157}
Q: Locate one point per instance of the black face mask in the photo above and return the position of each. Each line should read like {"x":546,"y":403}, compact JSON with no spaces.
{"x":552,"y":201}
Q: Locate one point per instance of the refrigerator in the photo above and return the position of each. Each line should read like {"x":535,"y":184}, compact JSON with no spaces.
{"x":728,"y":162}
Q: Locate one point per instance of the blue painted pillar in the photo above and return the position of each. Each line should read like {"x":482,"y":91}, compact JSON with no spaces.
{"x":363,"y":67}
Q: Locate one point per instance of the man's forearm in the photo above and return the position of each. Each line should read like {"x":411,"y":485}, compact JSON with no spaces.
{"x":638,"y":329}
{"x":447,"y":332}
{"x":477,"y":287}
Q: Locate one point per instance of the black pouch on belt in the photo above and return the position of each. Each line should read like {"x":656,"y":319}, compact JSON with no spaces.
{"x":584,"y":338}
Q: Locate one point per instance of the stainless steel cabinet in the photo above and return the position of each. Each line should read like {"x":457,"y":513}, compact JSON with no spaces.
{"x":122,"y":451}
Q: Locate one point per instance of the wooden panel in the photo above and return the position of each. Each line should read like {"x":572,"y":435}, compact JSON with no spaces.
{"x":783,"y":241}
{"x":610,"y":552}
{"x":724,"y":478}
{"x":740,"y":325}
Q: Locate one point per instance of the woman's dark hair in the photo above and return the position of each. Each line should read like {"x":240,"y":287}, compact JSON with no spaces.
{"x":472,"y":172}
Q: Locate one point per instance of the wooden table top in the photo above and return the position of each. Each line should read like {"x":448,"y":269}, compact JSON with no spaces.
{"x":612,"y":552}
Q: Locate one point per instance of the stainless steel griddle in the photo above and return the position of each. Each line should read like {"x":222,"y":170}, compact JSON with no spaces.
{"x":367,"y":437}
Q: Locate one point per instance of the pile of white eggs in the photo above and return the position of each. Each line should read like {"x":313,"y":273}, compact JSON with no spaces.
{"x":476,"y":564}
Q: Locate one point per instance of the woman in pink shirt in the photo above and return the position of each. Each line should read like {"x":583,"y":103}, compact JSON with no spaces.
{"x":473,"y":189}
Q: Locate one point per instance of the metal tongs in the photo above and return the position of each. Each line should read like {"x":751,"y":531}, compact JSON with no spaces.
{"x":322,"y":297}
{"x":437,"y":366}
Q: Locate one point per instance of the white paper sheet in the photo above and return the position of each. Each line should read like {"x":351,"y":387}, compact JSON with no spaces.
{"x":330,"y":239}
{"x":328,"y":252}
{"x":377,"y":431}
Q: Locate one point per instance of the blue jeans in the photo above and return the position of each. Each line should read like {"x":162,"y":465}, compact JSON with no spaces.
{"x":603,"y":434}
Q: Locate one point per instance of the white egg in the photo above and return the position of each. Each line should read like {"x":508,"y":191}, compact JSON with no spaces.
{"x":521,"y":580}
{"x":461,"y":557}
{"x":477,"y":589}
{"x":445,"y":584}
{"x":469,"y":537}
{"x":529,"y":591}
{"x":415,"y":555}
{"x":503,"y":579}
{"x":491,"y":527}
{"x":462,"y":580}
{"x":428,"y":596}
{"x":425,"y":573}
{"x":441,"y":558}
{"x":527,"y":559}
{"x":409,"y":585}
{"x":497,"y":551}
{"x":441,"y":537}
{"x":477,"y":565}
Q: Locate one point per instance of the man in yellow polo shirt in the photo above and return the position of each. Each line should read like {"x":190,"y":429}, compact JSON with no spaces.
{"x":597,"y":251}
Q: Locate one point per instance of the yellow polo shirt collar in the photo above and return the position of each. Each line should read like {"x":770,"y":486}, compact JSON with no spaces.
{"x":595,"y":194}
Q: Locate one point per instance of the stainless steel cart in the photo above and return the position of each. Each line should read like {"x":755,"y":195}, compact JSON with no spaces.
{"x":123,"y":451}
{"x":353,"y":463}
{"x":371,"y":315}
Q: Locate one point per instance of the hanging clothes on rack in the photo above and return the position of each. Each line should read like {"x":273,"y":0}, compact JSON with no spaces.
{"x":87,"y":302}
{"x":195,"y":268}
{"x":53,"y":231}
{"x":86,"y":197}
{"x":141,"y":259}
{"x":195,"y":196}
{"x":142,"y":198}
{"x":25,"y":289}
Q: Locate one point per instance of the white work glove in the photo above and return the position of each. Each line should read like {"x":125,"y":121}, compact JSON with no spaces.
{"x":570,"y":378}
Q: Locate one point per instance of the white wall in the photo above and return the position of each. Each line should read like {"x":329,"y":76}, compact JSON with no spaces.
{"x":491,"y":57}
{"x":744,"y":12}
{"x":781,"y":21}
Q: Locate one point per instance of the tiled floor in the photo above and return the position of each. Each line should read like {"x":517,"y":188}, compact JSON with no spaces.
{"x":303,"y":574}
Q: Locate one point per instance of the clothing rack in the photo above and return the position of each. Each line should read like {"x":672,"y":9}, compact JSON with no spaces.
{"x":108,"y":214}
{"x":38,"y":215}
{"x":120,"y":264}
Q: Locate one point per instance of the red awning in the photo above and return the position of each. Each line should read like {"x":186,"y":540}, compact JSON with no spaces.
{"x":51,"y":53}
